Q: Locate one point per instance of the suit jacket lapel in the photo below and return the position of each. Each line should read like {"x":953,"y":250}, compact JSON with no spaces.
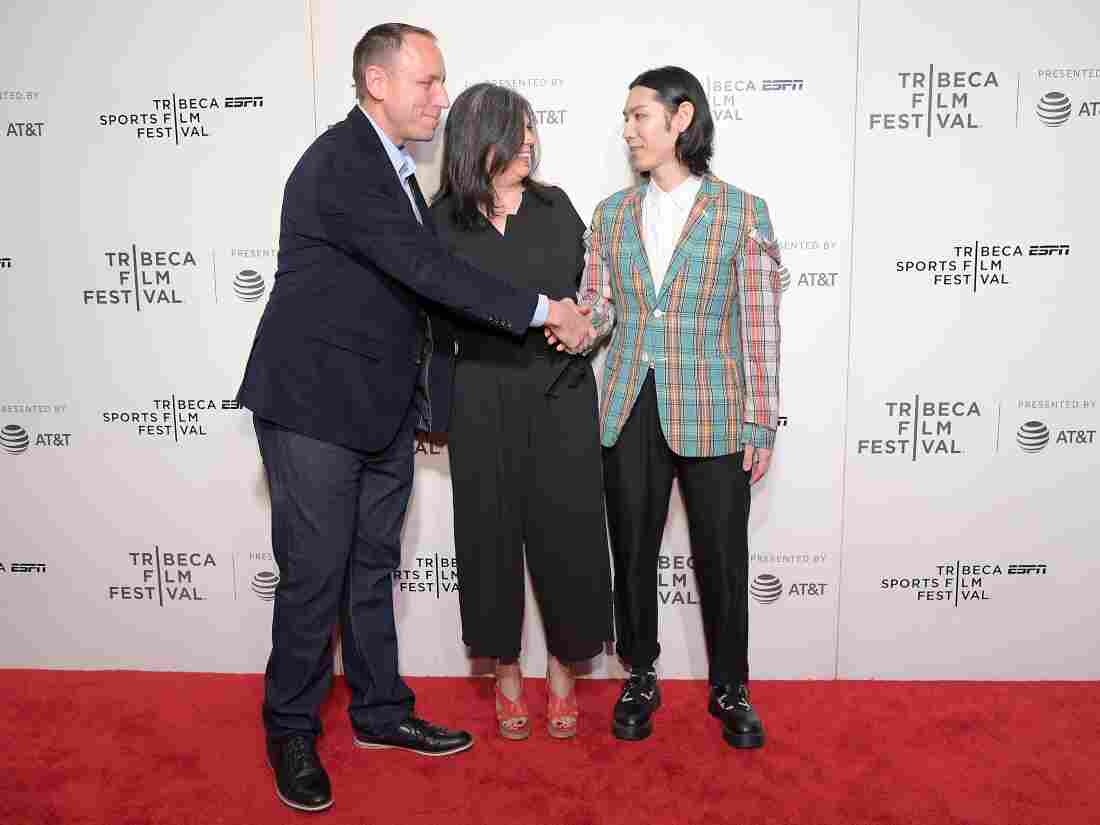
{"x":695,"y":228}
{"x":370,"y":141}
{"x":632,"y":237}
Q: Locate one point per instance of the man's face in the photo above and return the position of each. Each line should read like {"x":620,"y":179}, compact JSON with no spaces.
{"x":413,"y":89}
{"x":647,"y":130}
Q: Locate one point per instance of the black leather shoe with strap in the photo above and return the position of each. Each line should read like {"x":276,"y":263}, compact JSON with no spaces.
{"x":300,"y":779}
{"x":741,"y":726}
{"x":633,"y":716}
{"x":418,"y":736}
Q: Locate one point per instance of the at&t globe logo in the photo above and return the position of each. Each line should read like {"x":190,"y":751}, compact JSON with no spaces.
{"x":249,"y":285}
{"x":14,"y":439}
{"x":1033,"y":436}
{"x":766,"y":588}
{"x":264,"y":584}
{"x":1054,"y":109}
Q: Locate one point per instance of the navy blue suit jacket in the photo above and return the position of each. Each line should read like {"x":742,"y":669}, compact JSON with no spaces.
{"x":335,"y":355}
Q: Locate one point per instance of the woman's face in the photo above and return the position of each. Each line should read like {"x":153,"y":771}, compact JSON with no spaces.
{"x":520,"y":166}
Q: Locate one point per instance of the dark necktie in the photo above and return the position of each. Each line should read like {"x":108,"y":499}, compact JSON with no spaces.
{"x":421,"y":204}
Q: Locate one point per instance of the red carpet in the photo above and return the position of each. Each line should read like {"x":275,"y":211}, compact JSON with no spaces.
{"x":128,"y":748}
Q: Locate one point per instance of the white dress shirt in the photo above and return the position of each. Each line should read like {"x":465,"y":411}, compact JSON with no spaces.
{"x":663,"y":217}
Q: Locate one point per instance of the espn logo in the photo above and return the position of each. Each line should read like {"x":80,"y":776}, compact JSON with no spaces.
{"x":1027,"y":570}
{"x":781,"y":86}
{"x":256,"y":101}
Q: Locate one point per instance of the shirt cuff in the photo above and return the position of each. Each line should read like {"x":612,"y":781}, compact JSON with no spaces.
{"x":757,"y":436}
{"x":542,"y":312}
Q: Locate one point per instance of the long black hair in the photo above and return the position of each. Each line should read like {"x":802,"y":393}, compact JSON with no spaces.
{"x":673,"y":85}
{"x":486,"y":119}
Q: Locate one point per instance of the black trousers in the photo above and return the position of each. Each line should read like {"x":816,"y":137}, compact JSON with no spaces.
{"x":525,"y":464}
{"x":336,"y":517}
{"x":638,"y":473}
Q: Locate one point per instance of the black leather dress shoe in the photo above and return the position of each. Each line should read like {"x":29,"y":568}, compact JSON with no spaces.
{"x":300,"y":780}
{"x":633,"y":717}
{"x":418,"y":736}
{"x":741,"y":727}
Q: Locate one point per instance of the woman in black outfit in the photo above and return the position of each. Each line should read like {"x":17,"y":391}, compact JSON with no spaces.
{"x":524,"y":442}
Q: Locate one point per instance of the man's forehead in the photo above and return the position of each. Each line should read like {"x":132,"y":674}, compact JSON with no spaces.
{"x":421,"y":52}
{"x":639,"y":98}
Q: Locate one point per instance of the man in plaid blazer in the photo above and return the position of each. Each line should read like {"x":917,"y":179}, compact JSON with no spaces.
{"x":683,"y":272}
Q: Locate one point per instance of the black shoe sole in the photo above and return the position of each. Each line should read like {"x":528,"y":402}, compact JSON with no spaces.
{"x":298,"y":806}
{"x":743,"y":740}
{"x":361,"y":743}
{"x":631,"y":733}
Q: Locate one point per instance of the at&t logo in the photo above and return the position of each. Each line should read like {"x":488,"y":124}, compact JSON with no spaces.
{"x":1054,"y":109}
{"x":14,"y":439}
{"x":766,"y":588}
{"x":1034,"y":436}
{"x":249,"y":286}
{"x":264,"y":584}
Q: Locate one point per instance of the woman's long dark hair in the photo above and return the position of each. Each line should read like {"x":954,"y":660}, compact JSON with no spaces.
{"x":484,"y":120}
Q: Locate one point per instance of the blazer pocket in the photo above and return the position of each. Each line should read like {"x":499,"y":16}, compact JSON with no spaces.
{"x":348,"y":340}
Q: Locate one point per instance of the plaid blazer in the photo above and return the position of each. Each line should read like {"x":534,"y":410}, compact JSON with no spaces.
{"x":711,"y":335}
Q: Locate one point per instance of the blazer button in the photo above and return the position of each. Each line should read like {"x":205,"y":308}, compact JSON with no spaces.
{"x":657,"y":313}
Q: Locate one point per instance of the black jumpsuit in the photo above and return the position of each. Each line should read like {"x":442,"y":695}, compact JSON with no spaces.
{"x":524,"y":450}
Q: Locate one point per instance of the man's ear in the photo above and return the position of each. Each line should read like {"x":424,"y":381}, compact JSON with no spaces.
{"x":685,"y":113}
{"x":377,"y":82}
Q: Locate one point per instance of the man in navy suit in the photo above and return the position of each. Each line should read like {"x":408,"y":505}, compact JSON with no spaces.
{"x":344,"y":368}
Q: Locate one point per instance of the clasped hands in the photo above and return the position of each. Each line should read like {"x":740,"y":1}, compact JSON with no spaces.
{"x":568,"y":326}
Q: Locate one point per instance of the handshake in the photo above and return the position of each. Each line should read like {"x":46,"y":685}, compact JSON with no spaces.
{"x":569,"y":327}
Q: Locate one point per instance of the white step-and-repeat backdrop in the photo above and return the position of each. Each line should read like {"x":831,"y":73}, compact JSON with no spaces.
{"x":931,"y":170}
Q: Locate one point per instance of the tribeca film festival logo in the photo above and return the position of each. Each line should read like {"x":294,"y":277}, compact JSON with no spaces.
{"x":978,"y":264}
{"x":959,"y":582}
{"x":724,"y":94}
{"x":176,"y":418}
{"x":936,"y":101}
{"x":921,"y":428}
{"x":768,"y":588}
{"x":1036,"y":435}
{"x":433,"y":574}
{"x":144,"y":278}
{"x":5,"y":262}
{"x":676,"y":579}
{"x":180,"y":118}
{"x":165,"y":578}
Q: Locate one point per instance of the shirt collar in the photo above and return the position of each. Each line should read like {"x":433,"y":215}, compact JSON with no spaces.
{"x":682,"y":197}
{"x":403,"y":163}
